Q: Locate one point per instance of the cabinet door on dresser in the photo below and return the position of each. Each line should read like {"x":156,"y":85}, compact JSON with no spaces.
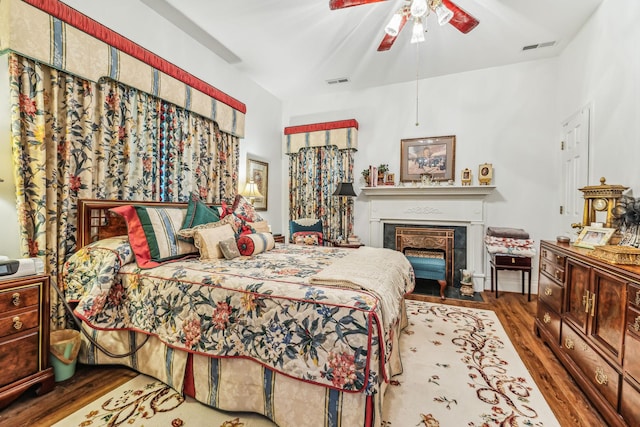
{"x":578,"y":294}
{"x":607,"y":310}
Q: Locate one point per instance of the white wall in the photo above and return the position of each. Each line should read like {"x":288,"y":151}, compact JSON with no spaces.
{"x":602,"y":66}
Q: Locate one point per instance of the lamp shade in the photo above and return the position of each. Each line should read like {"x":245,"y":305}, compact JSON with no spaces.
{"x":345,"y":189}
{"x":251,"y":190}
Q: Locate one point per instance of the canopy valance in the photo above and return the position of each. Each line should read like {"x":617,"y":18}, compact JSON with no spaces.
{"x":342,"y":133}
{"x":57,"y":35}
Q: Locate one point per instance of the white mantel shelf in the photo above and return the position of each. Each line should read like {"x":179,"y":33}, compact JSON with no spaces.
{"x":433,"y":190}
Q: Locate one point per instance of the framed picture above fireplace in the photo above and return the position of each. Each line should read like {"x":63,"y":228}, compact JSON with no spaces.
{"x":434,"y":155}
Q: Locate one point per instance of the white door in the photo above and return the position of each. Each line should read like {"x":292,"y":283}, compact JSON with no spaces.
{"x":575,"y":168}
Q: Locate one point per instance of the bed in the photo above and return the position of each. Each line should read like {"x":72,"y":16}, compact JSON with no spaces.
{"x":284,"y":333}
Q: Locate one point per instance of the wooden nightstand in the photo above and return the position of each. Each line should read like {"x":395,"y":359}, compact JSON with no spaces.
{"x":24,"y":337}
{"x":510,"y":262}
{"x":278,"y":238}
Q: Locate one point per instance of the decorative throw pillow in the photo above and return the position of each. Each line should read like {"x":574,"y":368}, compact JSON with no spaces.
{"x":229,"y":248}
{"x":199,"y":213}
{"x":153,"y":234}
{"x":244,"y":209}
{"x":312,"y":238}
{"x":252,"y":244}
{"x":207,"y":241}
{"x":187,"y":233}
{"x":260,"y":226}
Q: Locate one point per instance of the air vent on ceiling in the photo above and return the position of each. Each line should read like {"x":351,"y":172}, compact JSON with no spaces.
{"x":339,"y":80}
{"x":539,"y":45}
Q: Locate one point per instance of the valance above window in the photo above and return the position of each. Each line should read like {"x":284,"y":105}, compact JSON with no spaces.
{"x":343,"y":134}
{"x":57,"y":35}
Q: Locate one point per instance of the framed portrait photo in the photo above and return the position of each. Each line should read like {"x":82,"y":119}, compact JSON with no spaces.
{"x":435,"y":156}
{"x":590,"y":237}
{"x":258,"y":172}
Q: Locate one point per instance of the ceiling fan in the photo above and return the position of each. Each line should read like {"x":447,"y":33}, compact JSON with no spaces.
{"x":416,"y":10}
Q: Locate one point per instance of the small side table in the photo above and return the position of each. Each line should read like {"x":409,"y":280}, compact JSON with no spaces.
{"x":509,"y":262}
{"x":278,"y":238}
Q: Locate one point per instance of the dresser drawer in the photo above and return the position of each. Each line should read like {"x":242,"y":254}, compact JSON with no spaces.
{"x":552,"y":270}
{"x":551,"y":293}
{"x":550,"y":257}
{"x":19,"y":297}
{"x":633,"y":293}
{"x":19,"y":357}
{"x":550,"y":320}
{"x":15,"y":322}
{"x":511,"y":261}
{"x":630,"y":403}
{"x":602,"y":375}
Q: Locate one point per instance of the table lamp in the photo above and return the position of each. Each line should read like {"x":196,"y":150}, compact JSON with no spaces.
{"x":345,"y":189}
{"x":251,"y":191}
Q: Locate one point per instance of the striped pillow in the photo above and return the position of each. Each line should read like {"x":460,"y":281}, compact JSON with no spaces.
{"x":153,"y":234}
{"x":252,"y":244}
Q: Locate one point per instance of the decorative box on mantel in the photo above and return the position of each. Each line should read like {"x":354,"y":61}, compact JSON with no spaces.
{"x":438,"y":205}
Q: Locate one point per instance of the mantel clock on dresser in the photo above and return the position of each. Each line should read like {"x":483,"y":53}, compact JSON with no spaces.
{"x":599,"y":198}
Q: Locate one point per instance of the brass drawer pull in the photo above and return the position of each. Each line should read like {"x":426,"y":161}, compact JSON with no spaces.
{"x":558,"y":275}
{"x":568,"y":343}
{"x":543,"y":267}
{"x":17,"y":324}
{"x":636,"y":324}
{"x":544,"y":253}
{"x":548,"y":291}
{"x":15,"y":299}
{"x":559,"y":259}
{"x":546,"y":318}
{"x":637,"y":297}
{"x":601,"y":377}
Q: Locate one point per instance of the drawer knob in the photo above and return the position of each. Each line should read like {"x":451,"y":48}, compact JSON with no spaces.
{"x":15,"y":299}
{"x":558,"y":259}
{"x":17,"y":324}
{"x":558,"y":275}
{"x":568,"y":343}
{"x":546,"y":318}
{"x":548,"y":291}
{"x":544,"y":253}
{"x":601,"y":377}
{"x":543,"y":267}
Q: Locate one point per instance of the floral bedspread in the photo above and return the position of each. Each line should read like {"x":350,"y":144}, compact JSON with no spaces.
{"x":261,"y":307}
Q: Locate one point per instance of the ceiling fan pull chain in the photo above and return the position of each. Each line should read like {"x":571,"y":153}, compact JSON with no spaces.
{"x":417,"y":71}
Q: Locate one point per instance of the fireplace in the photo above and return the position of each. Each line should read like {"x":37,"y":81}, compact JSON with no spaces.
{"x":460,"y":208}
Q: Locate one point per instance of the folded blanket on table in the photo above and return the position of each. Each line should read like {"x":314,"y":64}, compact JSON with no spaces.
{"x":514,"y":233}
{"x":503,"y":245}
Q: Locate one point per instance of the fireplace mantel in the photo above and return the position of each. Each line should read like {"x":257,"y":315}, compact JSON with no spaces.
{"x":433,"y":190}
{"x":440,"y":205}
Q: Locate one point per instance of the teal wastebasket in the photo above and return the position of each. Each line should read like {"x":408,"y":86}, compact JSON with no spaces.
{"x":64,"y":345}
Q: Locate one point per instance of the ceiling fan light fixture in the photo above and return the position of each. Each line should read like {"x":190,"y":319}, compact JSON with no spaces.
{"x":417,"y":36}
{"x":444,"y":14}
{"x":393,"y":27}
{"x":419,"y":8}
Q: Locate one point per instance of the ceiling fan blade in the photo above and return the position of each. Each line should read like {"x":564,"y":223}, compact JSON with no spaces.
{"x":341,"y":4}
{"x":461,"y":19}
{"x":387,"y":40}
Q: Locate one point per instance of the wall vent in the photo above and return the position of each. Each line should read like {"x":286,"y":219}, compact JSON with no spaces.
{"x":339,"y":80}
{"x":539,"y":45}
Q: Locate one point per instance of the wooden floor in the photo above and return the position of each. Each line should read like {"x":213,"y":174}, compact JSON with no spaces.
{"x":516,"y":314}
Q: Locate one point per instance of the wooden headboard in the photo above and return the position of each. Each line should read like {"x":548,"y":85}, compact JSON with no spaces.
{"x":96,"y":222}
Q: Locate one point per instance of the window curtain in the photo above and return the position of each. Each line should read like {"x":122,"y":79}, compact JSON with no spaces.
{"x":314,"y":174}
{"x":72,"y":138}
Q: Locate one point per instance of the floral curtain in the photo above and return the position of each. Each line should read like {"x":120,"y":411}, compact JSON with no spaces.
{"x":314,"y":174}
{"x":73,"y":138}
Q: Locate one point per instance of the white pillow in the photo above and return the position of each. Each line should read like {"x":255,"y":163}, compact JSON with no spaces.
{"x":207,"y":239}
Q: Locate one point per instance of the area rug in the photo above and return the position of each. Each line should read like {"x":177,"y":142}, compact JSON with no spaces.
{"x":460,"y":369}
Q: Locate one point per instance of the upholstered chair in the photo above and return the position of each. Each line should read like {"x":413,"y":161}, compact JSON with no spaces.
{"x":306,"y":231}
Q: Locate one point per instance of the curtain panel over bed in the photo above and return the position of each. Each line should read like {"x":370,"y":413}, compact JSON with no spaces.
{"x":73,"y":138}
{"x":321,"y":156}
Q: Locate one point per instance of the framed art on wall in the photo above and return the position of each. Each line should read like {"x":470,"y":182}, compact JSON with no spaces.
{"x":433,"y":155}
{"x":258,"y":172}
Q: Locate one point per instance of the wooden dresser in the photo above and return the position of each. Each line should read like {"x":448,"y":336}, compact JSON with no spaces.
{"x":24,"y":337}
{"x":589,"y":315}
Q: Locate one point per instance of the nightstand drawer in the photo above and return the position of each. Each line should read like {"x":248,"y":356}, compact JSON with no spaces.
{"x":14,"y":322}
{"x":19,"y":297}
{"x":511,"y":261}
{"x":19,"y":357}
